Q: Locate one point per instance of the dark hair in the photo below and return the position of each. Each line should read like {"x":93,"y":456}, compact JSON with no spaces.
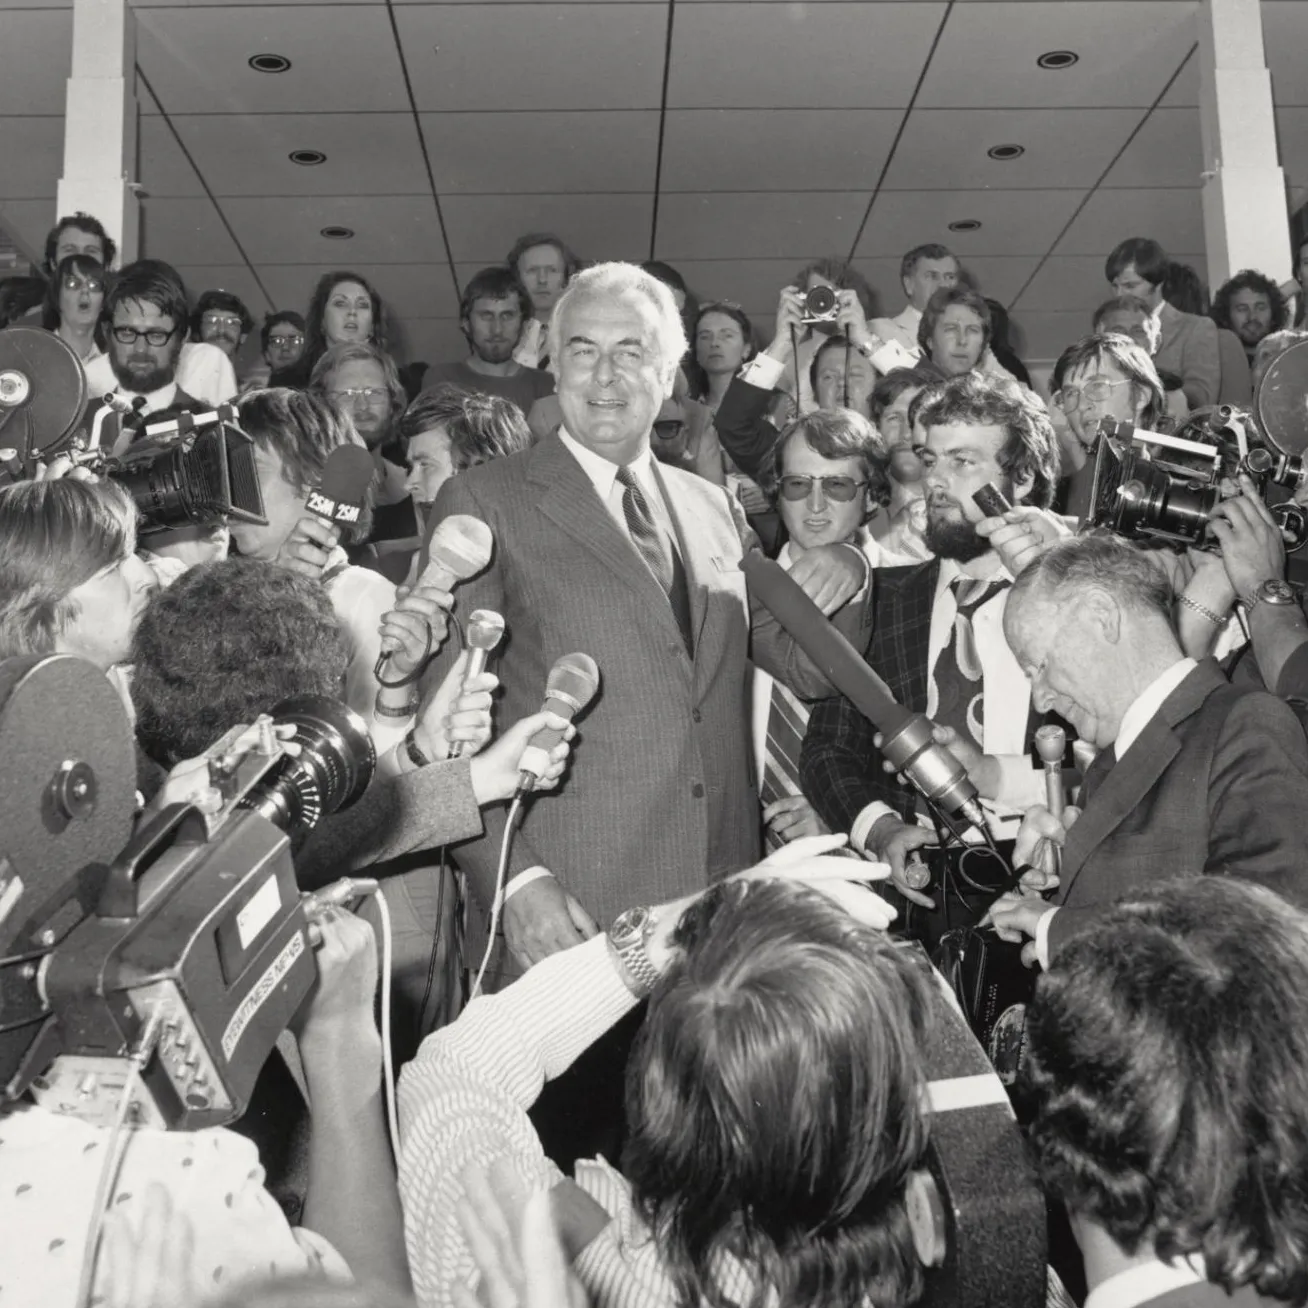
{"x":908,"y":264}
{"x":1250,"y":280}
{"x":843,"y":274}
{"x":733,"y":311}
{"x":301,"y":428}
{"x":1129,"y":359}
{"x":498,"y":282}
{"x":315,"y":342}
{"x":480,"y":427}
{"x":84,"y":223}
{"x":1167,"y":1070}
{"x":898,"y":380}
{"x":73,"y":263}
{"x":571,"y":263}
{"x":1030,"y":449}
{"x":1146,"y":256}
{"x":224,"y":643}
{"x":272,"y":320}
{"x":225,"y":301}
{"x":940,"y":301}
{"x":1184,"y":289}
{"x":833,"y":434}
{"x":150,"y":281}
{"x":774,"y":1098}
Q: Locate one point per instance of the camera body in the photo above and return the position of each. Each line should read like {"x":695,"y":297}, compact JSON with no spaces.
{"x":820,"y":306}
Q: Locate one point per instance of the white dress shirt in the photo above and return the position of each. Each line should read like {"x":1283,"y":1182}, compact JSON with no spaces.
{"x":203,"y":372}
{"x":1148,"y":1281}
{"x":1134,"y":721}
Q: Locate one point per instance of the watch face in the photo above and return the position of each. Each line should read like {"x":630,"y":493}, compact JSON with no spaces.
{"x":629,"y":926}
{"x":1276,"y":592}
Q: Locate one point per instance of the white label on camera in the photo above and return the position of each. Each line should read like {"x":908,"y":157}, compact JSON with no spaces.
{"x":260,"y":991}
{"x":258,"y":912}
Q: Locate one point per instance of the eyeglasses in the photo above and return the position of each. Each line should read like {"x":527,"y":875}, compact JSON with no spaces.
{"x":155,"y":335}
{"x":221,"y":320}
{"x":76,"y":284}
{"x":838,"y":489}
{"x":368,"y":394}
{"x":1070,"y":397}
{"x":297,"y":339}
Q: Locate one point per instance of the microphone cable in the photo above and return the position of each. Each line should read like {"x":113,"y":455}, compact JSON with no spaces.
{"x":501,"y":873}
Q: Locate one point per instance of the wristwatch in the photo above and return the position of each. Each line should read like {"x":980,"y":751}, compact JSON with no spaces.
{"x":1273,"y":592}
{"x":627,"y":940}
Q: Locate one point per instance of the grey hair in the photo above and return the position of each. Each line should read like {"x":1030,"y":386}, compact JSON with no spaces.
{"x":618,"y":279}
{"x":1125,"y":571}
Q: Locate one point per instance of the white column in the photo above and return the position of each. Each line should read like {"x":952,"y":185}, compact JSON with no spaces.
{"x":1245,"y":219}
{"x":100,"y":122}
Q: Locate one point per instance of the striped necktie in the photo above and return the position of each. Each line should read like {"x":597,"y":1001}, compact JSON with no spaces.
{"x":787,"y":723}
{"x":657,"y":551}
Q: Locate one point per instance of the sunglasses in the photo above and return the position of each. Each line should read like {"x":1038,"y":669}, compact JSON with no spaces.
{"x":838,"y":489}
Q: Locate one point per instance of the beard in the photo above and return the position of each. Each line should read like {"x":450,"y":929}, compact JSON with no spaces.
{"x":142,"y":375}
{"x":953,"y":538}
{"x":494,"y":351}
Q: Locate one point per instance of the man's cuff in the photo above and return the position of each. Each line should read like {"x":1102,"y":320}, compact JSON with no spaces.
{"x":524,"y":878}
{"x":763,"y":371}
{"x":862,"y":825}
{"x":1042,"y":937}
{"x":1021,"y":783}
{"x":867,"y":566}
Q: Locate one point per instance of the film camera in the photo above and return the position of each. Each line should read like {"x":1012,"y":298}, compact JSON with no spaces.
{"x":820,"y":306}
{"x":1163,"y":488}
{"x":190,"y":933}
{"x":180,"y":469}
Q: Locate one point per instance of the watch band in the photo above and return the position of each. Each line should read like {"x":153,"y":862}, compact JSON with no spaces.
{"x":414,"y":751}
{"x":628,"y":949}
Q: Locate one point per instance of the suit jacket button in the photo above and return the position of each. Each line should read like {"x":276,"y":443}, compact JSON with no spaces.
{"x":698,"y":790}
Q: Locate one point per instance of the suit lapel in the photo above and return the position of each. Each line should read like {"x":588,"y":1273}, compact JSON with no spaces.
{"x":691,"y":559}
{"x":903,"y":630}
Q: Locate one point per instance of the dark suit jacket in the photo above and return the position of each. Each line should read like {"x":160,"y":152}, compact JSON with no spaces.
{"x":1216,"y":782}
{"x":1208,"y":1295}
{"x":660,"y":795}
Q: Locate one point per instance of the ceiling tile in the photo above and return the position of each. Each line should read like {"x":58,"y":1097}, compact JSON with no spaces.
{"x":236,"y":278}
{"x":1292,"y":132}
{"x":185,"y":232}
{"x":409,"y":291}
{"x":466,"y":57}
{"x":799,"y":56}
{"x":1172,"y":216}
{"x":342,"y":58}
{"x":27,"y":222}
{"x":1012,"y":222}
{"x":367,"y":154}
{"x":997,"y":276}
{"x":1184,"y":91}
{"x":1285,"y":38}
{"x":483,"y":228}
{"x":162,"y":167}
{"x":515,"y":154}
{"x":387,"y":229}
{"x":31,"y":156}
{"x":797,"y":149}
{"x":1044,"y":336}
{"x":1167,"y":151}
{"x":1066,"y":284}
{"x":35,"y":56}
{"x":432,"y":340}
{"x":987,"y":54}
{"x":762,"y":225}
{"x":945,"y":149}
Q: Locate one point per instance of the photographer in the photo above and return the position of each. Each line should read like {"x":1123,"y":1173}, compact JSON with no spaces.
{"x":212,"y":1179}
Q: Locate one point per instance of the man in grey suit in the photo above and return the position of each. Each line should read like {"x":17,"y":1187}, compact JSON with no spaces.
{"x":1194,"y":775}
{"x":598,"y":548}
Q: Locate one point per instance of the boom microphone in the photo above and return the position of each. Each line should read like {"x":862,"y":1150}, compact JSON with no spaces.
{"x":485,"y":630}
{"x":343,"y":487}
{"x":571,"y":685}
{"x":907,"y":741}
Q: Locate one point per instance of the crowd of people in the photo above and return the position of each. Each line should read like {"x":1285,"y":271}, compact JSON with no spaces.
{"x":694,"y":1071}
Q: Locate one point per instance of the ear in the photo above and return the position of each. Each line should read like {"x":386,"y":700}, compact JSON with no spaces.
{"x":1103,"y":612}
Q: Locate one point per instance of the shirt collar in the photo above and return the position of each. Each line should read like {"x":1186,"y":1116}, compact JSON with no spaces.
{"x":1138,"y":1285}
{"x":910,"y":318}
{"x":603,"y":472}
{"x":951,"y":570}
{"x":155,"y":400}
{"x":1148,"y":702}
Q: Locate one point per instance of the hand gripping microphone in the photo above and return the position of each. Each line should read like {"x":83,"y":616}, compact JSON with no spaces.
{"x":1051,"y":744}
{"x":343,"y":487}
{"x":485,"y":630}
{"x":571,"y":685}
{"x":907,"y":742}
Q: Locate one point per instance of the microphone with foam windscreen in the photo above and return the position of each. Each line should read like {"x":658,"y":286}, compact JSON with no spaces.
{"x":571,"y":685}
{"x":1051,"y":745}
{"x":485,"y":630}
{"x":341,"y":491}
{"x":907,"y":741}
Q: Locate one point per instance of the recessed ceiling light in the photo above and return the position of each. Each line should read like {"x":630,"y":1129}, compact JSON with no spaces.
{"x":1058,"y":59}
{"x":965,"y":225}
{"x":307,"y":158}
{"x":1005,"y":152}
{"x":269,"y":63}
{"x":337,"y":233}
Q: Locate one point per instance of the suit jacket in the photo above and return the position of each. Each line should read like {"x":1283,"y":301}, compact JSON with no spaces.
{"x":1189,"y":349}
{"x":1216,"y":782}
{"x":1208,"y":1295}
{"x":660,"y":795}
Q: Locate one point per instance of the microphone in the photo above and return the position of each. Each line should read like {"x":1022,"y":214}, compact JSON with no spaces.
{"x":906,"y":736}
{"x":485,"y":629}
{"x":571,"y":685}
{"x":1051,"y":744}
{"x":343,"y":487}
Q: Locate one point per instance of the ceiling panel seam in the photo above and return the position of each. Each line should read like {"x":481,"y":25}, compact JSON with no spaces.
{"x":422,"y":143}
{"x":899,"y":131}
{"x":663,"y":120}
{"x":1098,"y":182}
{"x":213,"y":199}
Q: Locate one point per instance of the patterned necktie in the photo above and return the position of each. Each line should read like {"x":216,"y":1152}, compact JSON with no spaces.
{"x":787,"y":723}
{"x":1095,"y":774}
{"x":959,"y":684}
{"x":657,"y":551}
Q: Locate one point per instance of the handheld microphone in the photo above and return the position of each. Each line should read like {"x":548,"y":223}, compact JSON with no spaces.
{"x":343,"y":487}
{"x":485,"y":629}
{"x":1051,"y":744}
{"x":571,"y":685}
{"x":907,"y":741}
